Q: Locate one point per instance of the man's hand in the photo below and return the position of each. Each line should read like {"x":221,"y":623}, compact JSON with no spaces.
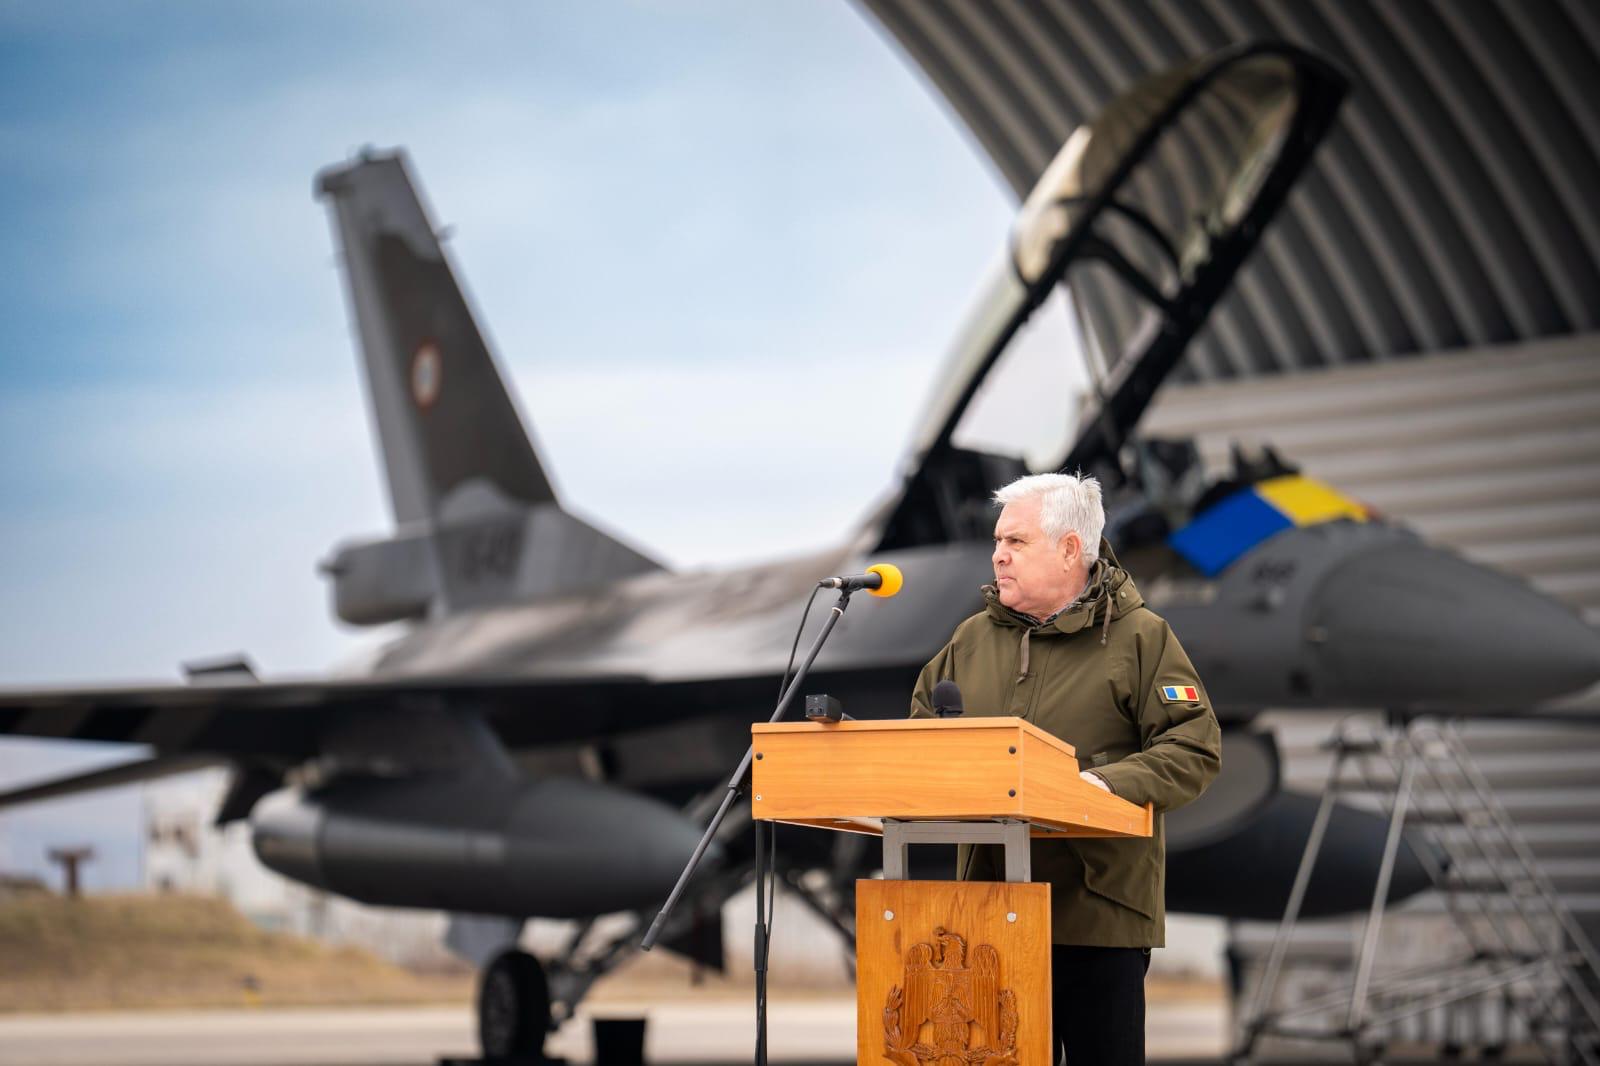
{"x":1094,"y":779}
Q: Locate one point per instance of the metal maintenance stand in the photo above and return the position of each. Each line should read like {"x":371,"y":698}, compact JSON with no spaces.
{"x":1520,"y":942}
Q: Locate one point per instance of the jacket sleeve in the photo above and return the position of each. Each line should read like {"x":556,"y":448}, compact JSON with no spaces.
{"x":937,"y":670}
{"x":1180,"y":742}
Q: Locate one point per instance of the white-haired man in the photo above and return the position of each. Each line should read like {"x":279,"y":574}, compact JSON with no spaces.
{"x":1066,"y":642}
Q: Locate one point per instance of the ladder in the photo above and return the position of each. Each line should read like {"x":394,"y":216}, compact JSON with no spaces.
{"x":1518,"y":940}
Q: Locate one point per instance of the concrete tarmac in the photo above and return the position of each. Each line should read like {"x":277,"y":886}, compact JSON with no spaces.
{"x":715,"y":1031}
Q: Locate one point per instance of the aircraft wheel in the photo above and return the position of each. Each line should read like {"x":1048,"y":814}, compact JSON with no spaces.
{"x":513,"y":1007}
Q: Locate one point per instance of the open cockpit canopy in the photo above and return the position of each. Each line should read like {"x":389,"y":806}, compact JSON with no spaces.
{"x":1121,"y":208}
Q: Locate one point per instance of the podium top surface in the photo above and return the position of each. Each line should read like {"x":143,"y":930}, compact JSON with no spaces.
{"x":904,"y":725}
{"x":851,"y":775}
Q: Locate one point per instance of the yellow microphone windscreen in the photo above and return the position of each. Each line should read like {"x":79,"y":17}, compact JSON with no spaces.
{"x":892,"y":580}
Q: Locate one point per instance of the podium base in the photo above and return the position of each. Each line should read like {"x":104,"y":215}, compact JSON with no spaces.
{"x":948,"y":969}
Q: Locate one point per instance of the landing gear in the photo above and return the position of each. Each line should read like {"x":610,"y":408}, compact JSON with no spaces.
{"x":513,"y":1008}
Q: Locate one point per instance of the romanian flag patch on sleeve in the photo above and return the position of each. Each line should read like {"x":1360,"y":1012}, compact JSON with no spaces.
{"x":1180,"y":694}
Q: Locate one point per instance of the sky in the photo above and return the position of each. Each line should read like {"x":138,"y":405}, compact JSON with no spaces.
{"x":718,"y":247}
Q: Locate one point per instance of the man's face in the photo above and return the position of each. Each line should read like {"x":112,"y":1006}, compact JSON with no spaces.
{"x":1034,"y":576}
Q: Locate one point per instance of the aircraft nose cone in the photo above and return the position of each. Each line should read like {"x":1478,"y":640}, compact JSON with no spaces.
{"x":1413,"y":625}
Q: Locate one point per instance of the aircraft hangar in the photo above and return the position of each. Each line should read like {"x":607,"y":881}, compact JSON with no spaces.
{"x":1449,"y":209}
{"x":1421,"y":324}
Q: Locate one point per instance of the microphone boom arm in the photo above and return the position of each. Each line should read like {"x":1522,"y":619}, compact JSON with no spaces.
{"x":736,"y":782}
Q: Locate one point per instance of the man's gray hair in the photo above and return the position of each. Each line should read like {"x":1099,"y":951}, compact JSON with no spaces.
{"x":1067,"y":504}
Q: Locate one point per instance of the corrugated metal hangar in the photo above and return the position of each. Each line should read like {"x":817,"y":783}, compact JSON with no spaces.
{"x":1450,"y":208}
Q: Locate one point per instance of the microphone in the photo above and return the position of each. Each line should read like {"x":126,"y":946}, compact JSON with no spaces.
{"x":947,"y":700}
{"x":881,"y":579}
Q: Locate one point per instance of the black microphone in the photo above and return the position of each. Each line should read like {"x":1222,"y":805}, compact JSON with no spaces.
{"x":947,"y":700}
{"x":853,"y":582}
{"x":881,"y":579}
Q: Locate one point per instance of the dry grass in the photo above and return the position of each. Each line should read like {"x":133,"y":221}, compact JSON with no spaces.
{"x":119,"y":952}
{"x":132,"y":952}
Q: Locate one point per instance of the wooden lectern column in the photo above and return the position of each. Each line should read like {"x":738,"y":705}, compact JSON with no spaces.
{"x":953,"y":973}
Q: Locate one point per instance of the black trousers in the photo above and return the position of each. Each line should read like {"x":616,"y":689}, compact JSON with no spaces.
{"x":1097,"y":1004}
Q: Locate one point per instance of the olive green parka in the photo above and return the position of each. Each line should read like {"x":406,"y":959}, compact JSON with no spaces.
{"x":1094,"y":676}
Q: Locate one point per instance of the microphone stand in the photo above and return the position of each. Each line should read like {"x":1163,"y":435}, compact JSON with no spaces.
{"x":735,"y":786}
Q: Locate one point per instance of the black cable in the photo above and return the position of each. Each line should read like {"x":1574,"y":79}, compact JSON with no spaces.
{"x":772,"y":891}
{"x":760,"y":952}
{"x":766,"y":882}
{"x":772,"y":865}
{"x":784,"y":684}
{"x":766,"y":885}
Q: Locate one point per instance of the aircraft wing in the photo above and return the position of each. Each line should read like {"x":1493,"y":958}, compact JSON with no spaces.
{"x":127,"y":773}
{"x":287,"y":722}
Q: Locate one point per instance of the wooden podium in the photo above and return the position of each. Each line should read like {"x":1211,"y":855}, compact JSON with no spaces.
{"x":945,"y":970}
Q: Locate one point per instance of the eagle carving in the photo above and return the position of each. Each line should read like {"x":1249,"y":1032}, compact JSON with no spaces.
{"x":949,"y":1013}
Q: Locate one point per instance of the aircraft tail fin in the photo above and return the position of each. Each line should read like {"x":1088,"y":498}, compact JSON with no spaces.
{"x":444,"y":417}
{"x":479,"y":521}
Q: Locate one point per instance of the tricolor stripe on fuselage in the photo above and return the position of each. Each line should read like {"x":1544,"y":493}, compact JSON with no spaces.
{"x":1222,"y":533}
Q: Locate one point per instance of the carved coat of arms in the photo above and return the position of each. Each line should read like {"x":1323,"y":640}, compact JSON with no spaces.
{"x":949,"y":1013}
